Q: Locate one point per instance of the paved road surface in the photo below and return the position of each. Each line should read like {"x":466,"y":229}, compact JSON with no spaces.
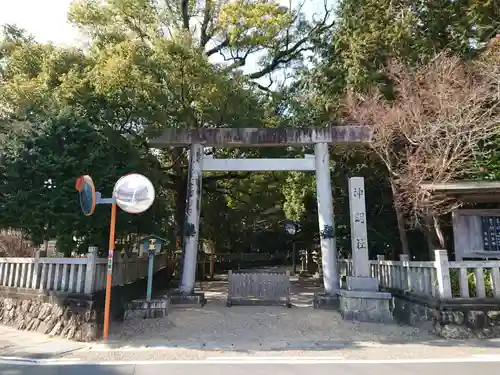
{"x":196,"y":368}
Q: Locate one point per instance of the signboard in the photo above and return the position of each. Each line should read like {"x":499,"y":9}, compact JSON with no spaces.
{"x":110,"y":262}
{"x":476,"y":233}
{"x":491,"y":232}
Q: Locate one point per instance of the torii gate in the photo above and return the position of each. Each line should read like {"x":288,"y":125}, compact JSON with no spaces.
{"x":199,"y":138}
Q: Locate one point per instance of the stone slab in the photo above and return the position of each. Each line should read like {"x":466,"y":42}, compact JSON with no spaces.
{"x":326,"y":301}
{"x":179,"y":298}
{"x":366,"y":306}
{"x":262,"y":137}
{"x":144,"y":309}
{"x":366,"y":294}
{"x":257,"y":302}
{"x":361,"y":283}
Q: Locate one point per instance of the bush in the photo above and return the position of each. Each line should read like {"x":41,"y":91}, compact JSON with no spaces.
{"x":471,"y":278}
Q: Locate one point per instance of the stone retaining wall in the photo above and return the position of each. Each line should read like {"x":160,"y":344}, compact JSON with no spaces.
{"x":449,"y":320}
{"x":72,"y":316}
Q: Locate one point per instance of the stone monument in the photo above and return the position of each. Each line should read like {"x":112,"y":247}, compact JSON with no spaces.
{"x":361,"y":299}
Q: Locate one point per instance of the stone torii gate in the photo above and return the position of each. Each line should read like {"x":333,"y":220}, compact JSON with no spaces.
{"x":199,"y":138}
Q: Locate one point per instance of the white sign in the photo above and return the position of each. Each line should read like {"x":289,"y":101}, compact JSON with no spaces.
{"x":359,"y":237}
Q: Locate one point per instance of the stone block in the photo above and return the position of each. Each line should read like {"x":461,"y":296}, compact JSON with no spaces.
{"x":326,"y":301}
{"x":143,"y":309}
{"x":89,"y":332}
{"x":178,"y":298}
{"x":45,"y":311}
{"x":366,"y":306}
{"x":362,"y":283}
{"x":57,"y":311}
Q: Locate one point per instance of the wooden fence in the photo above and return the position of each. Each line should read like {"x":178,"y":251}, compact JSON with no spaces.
{"x":258,"y":287}
{"x":73,"y":275}
{"x":439,"y":278}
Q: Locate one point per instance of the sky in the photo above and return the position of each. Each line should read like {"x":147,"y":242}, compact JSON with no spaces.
{"x":47,"y":21}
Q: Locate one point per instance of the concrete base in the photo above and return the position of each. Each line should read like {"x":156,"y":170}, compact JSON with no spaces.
{"x":365,"y":306}
{"x":143,"y":309}
{"x":179,"y":298}
{"x":369,"y":284}
{"x":325,"y":301}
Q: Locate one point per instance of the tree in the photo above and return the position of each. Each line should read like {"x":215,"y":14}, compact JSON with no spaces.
{"x":13,"y":244}
{"x":38,"y":175}
{"x":369,"y":33}
{"x":434,"y":130}
{"x":237,"y":32}
{"x":353,"y":55}
{"x":181,"y":45}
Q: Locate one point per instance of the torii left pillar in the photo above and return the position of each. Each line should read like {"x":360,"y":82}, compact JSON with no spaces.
{"x":191,"y":229}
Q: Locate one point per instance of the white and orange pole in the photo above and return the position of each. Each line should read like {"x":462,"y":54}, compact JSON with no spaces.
{"x":109,"y":277}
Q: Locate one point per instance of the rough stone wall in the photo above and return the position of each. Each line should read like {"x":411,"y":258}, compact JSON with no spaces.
{"x":75,"y":317}
{"x":366,"y":309}
{"x":69,"y":318}
{"x":459,"y":322}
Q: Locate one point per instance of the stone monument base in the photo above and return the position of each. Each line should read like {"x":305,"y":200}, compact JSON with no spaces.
{"x":179,"y":298}
{"x":366,"y":306}
{"x":144,"y":309}
{"x":326,"y":301}
{"x":360,"y":283}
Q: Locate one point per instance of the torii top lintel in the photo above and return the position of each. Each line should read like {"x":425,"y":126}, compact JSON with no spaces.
{"x":262,"y":137}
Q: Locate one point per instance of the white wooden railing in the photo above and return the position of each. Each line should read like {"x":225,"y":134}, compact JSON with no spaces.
{"x":439,"y":278}
{"x":73,"y":275}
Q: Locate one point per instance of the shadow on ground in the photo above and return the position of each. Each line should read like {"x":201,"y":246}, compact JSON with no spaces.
{"x":216,"y":329}
{"x":245,"y":329}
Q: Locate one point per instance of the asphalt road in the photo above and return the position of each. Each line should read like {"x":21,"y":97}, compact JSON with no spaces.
{"x":370,"y":368}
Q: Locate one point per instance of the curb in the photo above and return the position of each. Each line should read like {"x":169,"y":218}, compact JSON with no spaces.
{"x":244,"y":361}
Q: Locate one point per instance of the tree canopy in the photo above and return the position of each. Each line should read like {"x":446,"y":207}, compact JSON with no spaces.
{"x":145,"y":66}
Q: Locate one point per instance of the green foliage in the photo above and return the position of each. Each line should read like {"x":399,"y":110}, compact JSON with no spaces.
{"x":471,"y":283}
{"x":146,"y":68}
{"x":370,"y":32}
{"x":38,"y":177}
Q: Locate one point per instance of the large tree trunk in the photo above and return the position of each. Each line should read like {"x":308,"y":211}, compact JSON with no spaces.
{"x":403,"y":235}
{"x":434,"y":235}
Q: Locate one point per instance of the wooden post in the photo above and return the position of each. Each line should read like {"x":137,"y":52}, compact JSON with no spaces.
{"x":43,"y":278}
{"x":405,"y":271}
{"x":90,"y":273}
{"x":212,"y":264}
{"x":381,"y":277}
{"x":443,"y":273}
{"x":495,"y":281}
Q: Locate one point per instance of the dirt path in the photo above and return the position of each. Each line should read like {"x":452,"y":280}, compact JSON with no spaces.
{"x":218,"y":327}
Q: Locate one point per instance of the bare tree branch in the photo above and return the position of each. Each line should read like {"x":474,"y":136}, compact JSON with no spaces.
{"x":435,"y":128}
{"x":218,"y":48}
{"x":207,"y":14}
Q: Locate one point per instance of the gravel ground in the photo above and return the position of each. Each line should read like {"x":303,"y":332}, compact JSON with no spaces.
{"x":218,"y":327}
{"x":218,"y":331}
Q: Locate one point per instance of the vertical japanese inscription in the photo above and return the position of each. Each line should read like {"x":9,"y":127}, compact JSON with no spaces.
{"x":359,"y":238}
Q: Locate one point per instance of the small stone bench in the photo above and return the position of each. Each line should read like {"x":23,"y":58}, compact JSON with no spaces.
{"x":258,"y":288}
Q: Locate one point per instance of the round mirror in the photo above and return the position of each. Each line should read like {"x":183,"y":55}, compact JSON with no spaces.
{"x":134,"y":193}
{"x":86,"y":191}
